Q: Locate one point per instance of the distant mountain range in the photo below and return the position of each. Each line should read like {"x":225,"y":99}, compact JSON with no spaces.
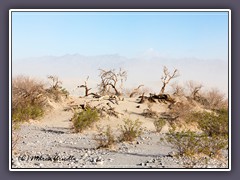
{"x":73,"y":69}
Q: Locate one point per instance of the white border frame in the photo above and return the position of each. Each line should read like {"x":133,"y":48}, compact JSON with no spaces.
{"x":118,"y":10}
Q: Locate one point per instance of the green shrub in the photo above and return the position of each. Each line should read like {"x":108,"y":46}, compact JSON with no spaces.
{"x":130,"y":130}
{"x":57,"y":94}
{"x":186,"y":143}
{"x":105,"y":139}
{"x":21,"y":114}
{"x":159,"y":123}
{"x":211,"y":141}
{"x":214,"y":123}
{"x":84,"y":119}
{"x":56,"y":91}
{"x":213,"y":145}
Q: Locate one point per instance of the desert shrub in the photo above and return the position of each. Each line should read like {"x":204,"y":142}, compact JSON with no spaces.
{"x":178,"y":111}
{"x":130,"y":130}
{"x":194,"y":89}
{"x":56,"y":91}
{"x":212,"y":123}
{"x":24,"y":113}
{"x":84,"y":119}
{"x":64,"y":91}
{"x":177,"y":89}
{"x":181,"y":110}
{"x":28,"y":99}
{"x":211,"y":141}
{"x":213,"y":145}
{"x":149,"y":113}
{"x":106,"y":138}
{"x":159,"y":123}
{"x":186,"y":143}
{"x":215,"y":100}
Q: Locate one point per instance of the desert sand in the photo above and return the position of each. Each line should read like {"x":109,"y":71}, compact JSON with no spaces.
{"x":50,"y":141}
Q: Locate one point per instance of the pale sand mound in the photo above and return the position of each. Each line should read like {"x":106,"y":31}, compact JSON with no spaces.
{"x":53,"y":135}
{"x":61,"y":113}
{"x":129,"y":108}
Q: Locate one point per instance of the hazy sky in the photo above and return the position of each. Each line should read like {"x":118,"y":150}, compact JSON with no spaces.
{"x":202,"y":35}
{"x":73,"y":45}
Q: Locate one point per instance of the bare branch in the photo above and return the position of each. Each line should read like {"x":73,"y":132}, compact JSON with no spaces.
{"x":55,"y":82}
{"x":167,"y":77}
{"x":194,"y":88}
{"x":135,"y":91}
{"x":85,"y":86}
{"x":110,"y":81}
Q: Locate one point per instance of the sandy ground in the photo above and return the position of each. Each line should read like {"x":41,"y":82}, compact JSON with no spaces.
{"x":51,"y":143}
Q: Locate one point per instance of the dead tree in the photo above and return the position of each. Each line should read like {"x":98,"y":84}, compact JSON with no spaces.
{"x":110,"y":80}
{"x":143,"y":98}
{"x":194,"y":89}
{"x":167,"y":77}
{"x":56,"y":83}
{"x":135,"y":91}
{"x":178,"y":90}
{"x":86,"y":87}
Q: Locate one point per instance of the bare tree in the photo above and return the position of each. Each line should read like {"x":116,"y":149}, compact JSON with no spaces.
{"x":194,"y":88}
{"x":167,"y":77}
{"x":85,"y":86}
{"x":136,"y":90}
{"x":216,"y":99}
{"x":177,"y":89}
{"x":56,"y":83}
{"x":110,"y":80}
{"x":56,"y":91}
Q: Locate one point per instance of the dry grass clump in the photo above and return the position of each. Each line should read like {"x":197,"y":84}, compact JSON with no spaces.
{"x":159,"y":123}
{"x":105,"y":139}
{"x":180,"y":110}
{"x":130,"y":130}
{"x":28,"y":98}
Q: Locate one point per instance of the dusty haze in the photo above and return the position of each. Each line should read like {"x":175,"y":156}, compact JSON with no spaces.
{"x":147,"y":70}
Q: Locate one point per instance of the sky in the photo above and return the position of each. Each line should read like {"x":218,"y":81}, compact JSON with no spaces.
{"x":76,"y":44}
{"x":201,"y":35}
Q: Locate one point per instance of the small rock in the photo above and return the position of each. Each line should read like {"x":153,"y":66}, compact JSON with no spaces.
{"x":171,"y":154}
{"x":99,"y":163}
{"x":85,"y":155}
{"x":37,"y":164}
{"x":16,"y":163}
{"x":99,"y":158}
{"x":110,"y":159}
